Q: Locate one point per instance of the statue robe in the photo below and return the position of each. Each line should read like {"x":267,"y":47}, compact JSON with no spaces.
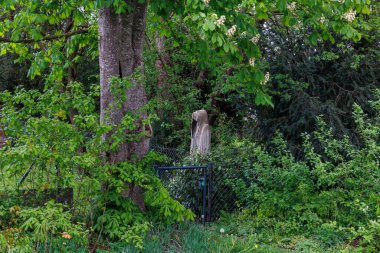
{"x":200,"y":133}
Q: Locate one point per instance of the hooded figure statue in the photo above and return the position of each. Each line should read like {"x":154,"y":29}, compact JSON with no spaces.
{"x":200,"y":133}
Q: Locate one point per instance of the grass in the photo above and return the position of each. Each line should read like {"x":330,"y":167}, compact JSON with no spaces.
{"x":228,"y":235}
{"x":196,"y":238}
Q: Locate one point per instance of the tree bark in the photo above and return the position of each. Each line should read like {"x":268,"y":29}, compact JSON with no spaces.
{"x":120,"y":54}
{"x":161,"y":63}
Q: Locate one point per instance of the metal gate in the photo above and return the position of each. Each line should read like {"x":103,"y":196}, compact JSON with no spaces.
{"x":191,"y":186}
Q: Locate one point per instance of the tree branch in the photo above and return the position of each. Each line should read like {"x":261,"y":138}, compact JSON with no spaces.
{"x":47,"y":38}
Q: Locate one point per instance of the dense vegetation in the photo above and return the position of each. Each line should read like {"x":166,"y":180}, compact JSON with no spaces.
{"x":293,"y":95}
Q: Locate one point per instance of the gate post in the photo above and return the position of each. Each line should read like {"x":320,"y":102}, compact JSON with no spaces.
{"x":209,"y":193}
{"x":155,"y":167}
{"x":205,"y":169}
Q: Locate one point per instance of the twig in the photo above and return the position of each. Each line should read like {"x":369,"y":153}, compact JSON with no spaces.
{"x":100,"y":233}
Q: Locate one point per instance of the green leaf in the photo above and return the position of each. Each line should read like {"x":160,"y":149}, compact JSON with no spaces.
{"x":226,"y":47}
{"x":175,"y":43}
{"x":281,"y":5}
{"x":366,"y":10}
{"x":313,"y":38}
{"x":220,"y":41}
{"x":164,"y":32}
{"x":262,"y":15}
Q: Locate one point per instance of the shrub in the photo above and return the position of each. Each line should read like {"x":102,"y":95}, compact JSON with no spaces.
{"x":54,"y":141}
{"x":338,"y":184}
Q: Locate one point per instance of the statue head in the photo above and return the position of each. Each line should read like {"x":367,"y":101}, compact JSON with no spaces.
{"x":200,"y":117}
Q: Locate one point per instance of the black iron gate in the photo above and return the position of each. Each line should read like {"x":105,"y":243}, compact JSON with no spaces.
{"x":191,"y":186}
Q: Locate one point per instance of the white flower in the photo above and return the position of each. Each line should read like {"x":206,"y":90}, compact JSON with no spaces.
{"x":220,"y":21}
{"x":255,"y":39}
{"x":240,"y":8}
{"x":322,"y":19}
{"x":230,"y":32}
{"x":266,"y":79}
{"x":250,"y":10}
{"x":221,"y":230}
{"x":364,"y":209}
{"x":252,"y":61}
{"x":291,"y":7}
{"x":349,"y":15}
{"x":276,"y":49}
{"x":206,"y":2}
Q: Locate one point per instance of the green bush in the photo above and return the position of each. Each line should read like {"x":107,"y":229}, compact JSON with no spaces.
{"x":335,"y":188}
{"x":54,"y":141}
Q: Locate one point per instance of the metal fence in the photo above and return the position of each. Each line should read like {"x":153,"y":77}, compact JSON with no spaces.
{"x":206,"y":190}
{"x":190,"y":185}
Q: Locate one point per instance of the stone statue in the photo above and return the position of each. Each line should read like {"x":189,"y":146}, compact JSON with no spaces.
{"x":200,"y":133}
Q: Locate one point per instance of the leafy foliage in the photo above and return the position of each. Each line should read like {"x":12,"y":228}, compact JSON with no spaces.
{"x":58,"y":149}
{"x":306,"y":84}
{"x":55,"y":141}
{"x":51,"y":221}
{"x":338,"y":185}
{"x":220,"y":36}
{"x":54,"y":35}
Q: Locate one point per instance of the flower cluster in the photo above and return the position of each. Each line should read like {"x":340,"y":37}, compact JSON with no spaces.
{"x":255,"y":39}
{"x":220,"y":21}
{"x":322,"y":19}
{"x":240,"y":8}
{"x":206,"y":2}
{"x":230,"y":32}
{"x":252,"y":61}
{"x":291,"y":7}
{"x":252,"y":9}
{"x":266,"y":78}
{"x":349,"y":15}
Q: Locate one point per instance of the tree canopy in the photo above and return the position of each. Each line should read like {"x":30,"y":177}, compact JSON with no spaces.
{"x":54,"y":34}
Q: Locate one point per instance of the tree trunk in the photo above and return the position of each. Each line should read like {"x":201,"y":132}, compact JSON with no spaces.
{"x":120,"y":54}
{"x":161,"y":64}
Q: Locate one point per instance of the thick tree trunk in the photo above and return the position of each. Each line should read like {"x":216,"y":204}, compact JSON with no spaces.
{"x":120,"y":54}
{"x":161,"y":64}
